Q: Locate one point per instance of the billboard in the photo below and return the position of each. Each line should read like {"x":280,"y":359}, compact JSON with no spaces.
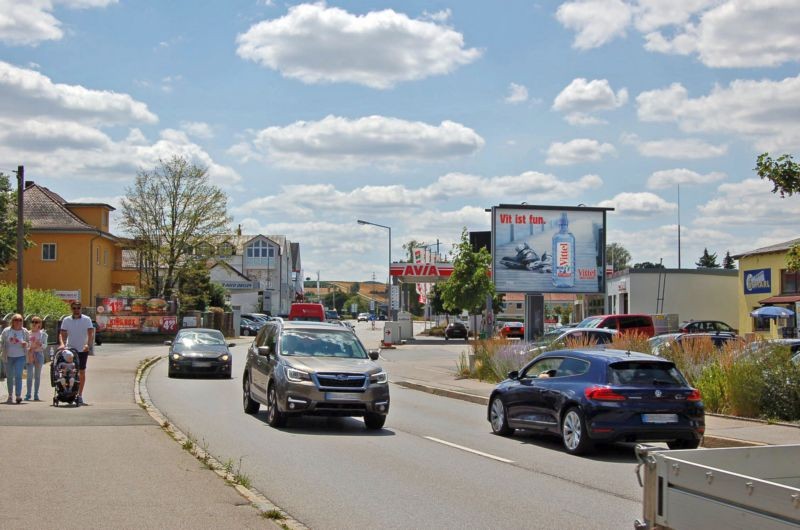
{"x":548,"y":249}
{"x":757,"y":281}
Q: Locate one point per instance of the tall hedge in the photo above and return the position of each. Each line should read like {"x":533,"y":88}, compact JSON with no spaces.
{"x":37,"y":301}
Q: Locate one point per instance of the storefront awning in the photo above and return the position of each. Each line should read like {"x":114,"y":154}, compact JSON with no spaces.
{"x":788,"y":299}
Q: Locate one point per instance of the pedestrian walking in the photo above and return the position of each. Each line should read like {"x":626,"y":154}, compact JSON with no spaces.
{"x":14,"y":349}
{"x":38,"y":342}
{"x":77,"y":333}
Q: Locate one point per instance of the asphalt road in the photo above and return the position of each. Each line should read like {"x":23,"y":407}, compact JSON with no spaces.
{"x":435,"y":464}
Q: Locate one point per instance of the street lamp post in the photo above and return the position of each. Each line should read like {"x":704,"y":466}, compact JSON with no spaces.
{"x":389,"y":278}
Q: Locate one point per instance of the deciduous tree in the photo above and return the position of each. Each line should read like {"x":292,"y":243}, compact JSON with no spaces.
{"x":170,"y":209}
{"x":617,"y":256}
{"x":470,"y":283}
{"x":784,"y":173}
{"x":8,"y":223}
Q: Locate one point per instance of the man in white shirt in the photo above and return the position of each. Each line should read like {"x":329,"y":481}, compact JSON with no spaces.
{"x":77,"y":332}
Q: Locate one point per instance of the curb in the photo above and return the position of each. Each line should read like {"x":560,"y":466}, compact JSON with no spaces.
{"x":709,"y":441}
{"x":256,"y":499}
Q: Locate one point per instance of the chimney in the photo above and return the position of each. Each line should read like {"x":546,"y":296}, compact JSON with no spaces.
{"x":28,"y":184}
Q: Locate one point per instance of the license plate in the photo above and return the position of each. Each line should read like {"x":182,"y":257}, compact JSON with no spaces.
{"x":343,"y":396}
{"x":201,"y":365}
{"x":659,"y":418}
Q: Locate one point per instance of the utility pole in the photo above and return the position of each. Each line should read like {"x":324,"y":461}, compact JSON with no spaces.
{"x":20,"y":238}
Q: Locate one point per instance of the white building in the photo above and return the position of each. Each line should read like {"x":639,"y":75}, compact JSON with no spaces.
{"x":692,"y":294}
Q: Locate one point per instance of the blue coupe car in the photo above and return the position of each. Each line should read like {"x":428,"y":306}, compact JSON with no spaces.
{"x":600,"y":396}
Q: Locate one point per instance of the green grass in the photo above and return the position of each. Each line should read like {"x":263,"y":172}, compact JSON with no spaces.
{"x":274,"y":514}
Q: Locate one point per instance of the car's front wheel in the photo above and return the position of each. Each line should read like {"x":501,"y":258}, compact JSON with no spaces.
{"x":245,"y":332}
{"x":374,"y":421}
{"x":498,"y":418}
{"x":275,"y":417}
{"x":250,"y":405}
{"x":573,"y":432}
{"x":684,"y":444}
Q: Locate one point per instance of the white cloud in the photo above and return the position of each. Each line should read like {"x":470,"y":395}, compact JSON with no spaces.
{"x":736,"y":33}
{"x":516,"y":93}
{"x":595,"y":21}
{"x":25,"y":92}
{"x":318,"y":44}
{"x":677,"y":148}
{"x":721,"y":33}
{"x":577,"y":151}
{"x":582,"y":97}
{"x":661,"y":242}
{"x":642,"y":204}
{"x":671,"y":177}
{"x":765,"y":112}
{"x":198,"y":129}
{"x":336,"y":143}
{"x":749,"y":203}
{"x":305,"y":200}
{"x":438,"y":16}
{"x":27,"y":23}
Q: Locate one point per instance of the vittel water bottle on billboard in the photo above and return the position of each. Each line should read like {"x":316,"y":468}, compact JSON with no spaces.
{"x":563,"y":255}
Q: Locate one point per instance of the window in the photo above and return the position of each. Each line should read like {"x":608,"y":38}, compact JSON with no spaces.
{"x":97,"y":255}
{"x":547,"y":366}
{"x":204,"y":249}
{"x":572,"y":366}
{"x":48,"y":252}
{"x":226,"y":249}
{"x":258,"y":249}
{"x":761,"y":324}
{"x":105,"y":256}
{"x":790,"y":282}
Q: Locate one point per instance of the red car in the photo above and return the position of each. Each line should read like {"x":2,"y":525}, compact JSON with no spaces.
{"x":512,"y":329}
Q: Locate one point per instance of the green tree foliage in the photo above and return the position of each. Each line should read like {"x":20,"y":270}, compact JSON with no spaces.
{"x":784,"y":173}
{"x":617,"y":256}
{"x":728,"y":262}
{"x":37,"y":301}
{"x":194,"y":286}
{"x":170,"y":209}
{"x":435,"y":299}
{"x":470,"y":283}
{"x":8,"y":223}
{"x":355,"y":288}
{"x":707,"y":261}
{"x":216,"y":295}
{"x":648,"y":265}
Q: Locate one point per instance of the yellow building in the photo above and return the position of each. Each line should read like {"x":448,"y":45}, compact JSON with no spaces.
{"x":73,"y":252}
{"x":765,"y":281}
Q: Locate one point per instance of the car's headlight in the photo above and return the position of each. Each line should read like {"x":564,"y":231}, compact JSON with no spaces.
{"x":296,"y":376}
{"x":176,"y":356}
{"x":379,"y":378}
{"x":225,"y":357}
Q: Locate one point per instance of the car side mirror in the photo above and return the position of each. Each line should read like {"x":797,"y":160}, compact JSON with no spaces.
{"x":231,"y":345}
{"x":264,"y":350}
{"x":513,"y":374}
{"x":374,"y":354}
{"x":167,"y":343}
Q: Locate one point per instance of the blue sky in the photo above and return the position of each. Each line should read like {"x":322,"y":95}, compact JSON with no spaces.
{"x":417,"y":115}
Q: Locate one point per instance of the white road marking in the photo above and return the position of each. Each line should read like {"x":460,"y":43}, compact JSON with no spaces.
{"x":467,"y":449}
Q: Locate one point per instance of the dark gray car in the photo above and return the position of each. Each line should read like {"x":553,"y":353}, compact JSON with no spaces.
{"x":298,"y":367}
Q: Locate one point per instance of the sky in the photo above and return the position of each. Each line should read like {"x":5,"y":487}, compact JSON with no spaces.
{"x":417,"y":115}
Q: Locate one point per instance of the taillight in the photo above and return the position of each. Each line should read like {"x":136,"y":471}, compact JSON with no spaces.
{"x":694,"y":395}
{"x":603,"y":393}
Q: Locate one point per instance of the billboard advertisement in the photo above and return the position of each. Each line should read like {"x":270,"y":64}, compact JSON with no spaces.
{"x":548,"y":249}
{"x":757,"y":281}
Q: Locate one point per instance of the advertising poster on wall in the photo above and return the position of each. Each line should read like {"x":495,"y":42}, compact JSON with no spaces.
{"x":129,"y":314}
{"x":548,"y":249}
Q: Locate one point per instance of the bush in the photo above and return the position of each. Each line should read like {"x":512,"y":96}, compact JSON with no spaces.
{"x":37,"y":302}
{"x":712,"y":386}
{"x":780,"y":396}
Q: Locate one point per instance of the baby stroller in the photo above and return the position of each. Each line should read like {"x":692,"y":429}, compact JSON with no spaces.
{"x":62,"y":394}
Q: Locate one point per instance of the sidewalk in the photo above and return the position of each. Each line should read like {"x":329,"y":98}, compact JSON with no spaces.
{"x":434,"y":373}
{"x":108,"y":464}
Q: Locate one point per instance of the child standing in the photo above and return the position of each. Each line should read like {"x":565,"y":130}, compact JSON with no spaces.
{"x":38,"y":342}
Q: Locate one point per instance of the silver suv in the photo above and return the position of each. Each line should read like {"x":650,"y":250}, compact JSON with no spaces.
{"x":297,"y":367}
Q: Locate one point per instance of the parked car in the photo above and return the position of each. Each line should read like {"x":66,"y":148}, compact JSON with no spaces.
{"x":599,"y":396}
{"x":362,"y":317}
{"x":307,"y":311}
{"x":456,"y":330}
{"x":199,"y":351}
{"x":295,"y":368}
{"x":382,"y":317}
{"x":660,"y":343}
{"x":331,"y":314}
{"x":582,"y":337}
{"x":705,"y":326}
{"x":629,"y":323}
{"x":263,"y":317}
{"x":249,"y":327}
{"x":512,"y":329}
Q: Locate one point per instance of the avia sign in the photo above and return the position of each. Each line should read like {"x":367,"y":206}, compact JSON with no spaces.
{"x":410,"y":271}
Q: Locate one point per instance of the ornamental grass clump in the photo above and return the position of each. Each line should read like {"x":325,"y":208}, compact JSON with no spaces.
{"x":630,"y":342}
{"x":493,"y":359}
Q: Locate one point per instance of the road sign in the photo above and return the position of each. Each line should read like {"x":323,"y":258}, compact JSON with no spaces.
{"x":395,"y":297}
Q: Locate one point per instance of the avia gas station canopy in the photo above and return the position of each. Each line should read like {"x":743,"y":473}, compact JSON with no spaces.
{"x":421,"y":272}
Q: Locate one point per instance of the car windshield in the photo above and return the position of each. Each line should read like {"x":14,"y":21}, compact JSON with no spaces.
{"x":200,"y":337}
{"x":321,"y":343}
{"x":644,"y":373}
{"x":591,"y":322}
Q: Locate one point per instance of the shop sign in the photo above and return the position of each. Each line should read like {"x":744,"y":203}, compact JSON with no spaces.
{"x":69,"y":296}
{"x":231,"y":284}
{"x":757,"y":281}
